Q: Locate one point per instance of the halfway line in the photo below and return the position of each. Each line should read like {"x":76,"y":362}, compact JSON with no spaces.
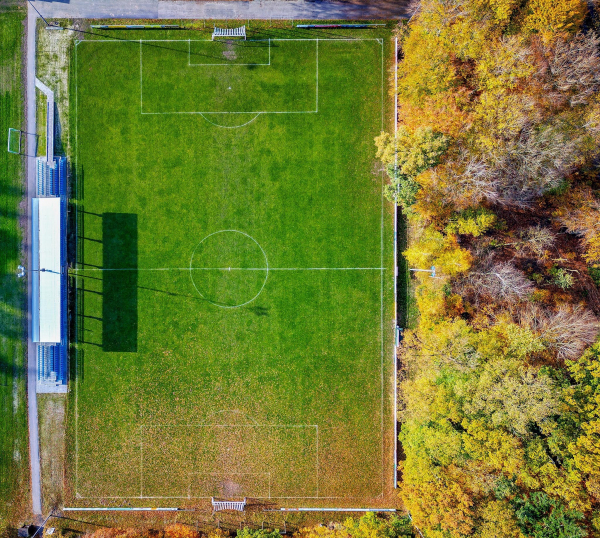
{"x":236,"y":269}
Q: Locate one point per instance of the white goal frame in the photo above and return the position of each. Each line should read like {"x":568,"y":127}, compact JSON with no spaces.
{"x":229,"y":32}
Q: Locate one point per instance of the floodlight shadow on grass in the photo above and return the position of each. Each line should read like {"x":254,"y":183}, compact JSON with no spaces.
{"x":9,"y":371}
{"x":119,"y":288}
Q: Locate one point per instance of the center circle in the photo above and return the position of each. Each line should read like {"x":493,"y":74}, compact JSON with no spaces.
{"x":229,"y":268}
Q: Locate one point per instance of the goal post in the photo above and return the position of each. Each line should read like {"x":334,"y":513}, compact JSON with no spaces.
{"x":219,"y":505}
{"x":14,"y":140}
{"x":229,"y":32}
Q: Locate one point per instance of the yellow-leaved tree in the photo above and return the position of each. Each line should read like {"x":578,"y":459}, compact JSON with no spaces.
{"x":554,"y":18}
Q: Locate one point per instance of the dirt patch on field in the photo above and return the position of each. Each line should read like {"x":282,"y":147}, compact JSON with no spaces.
{"x":229,"y":53}
{"x":53,"y":56}
{"x":52,"y":414}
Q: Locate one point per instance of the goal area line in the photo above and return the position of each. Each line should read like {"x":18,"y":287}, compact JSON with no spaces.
{"x":190,"y":41}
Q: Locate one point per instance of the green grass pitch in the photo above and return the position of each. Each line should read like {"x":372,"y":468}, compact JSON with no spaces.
{"x":234,"y":272}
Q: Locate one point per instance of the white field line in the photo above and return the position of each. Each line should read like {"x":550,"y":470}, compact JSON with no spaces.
{"x":394,"y":359}
{"x":230,"y":63}
{"x":76,"y":280}
{"x":381,"y":268}
{"x":231,"y":126}
{"x":317,"y":77}
{"x":224,"y":473}
{"x":99,"y":269}
{"x":317,"y":458}
{"x":141,"y":461}
{"x":204,"y":425}
{"x":257,"y":112}
{"x":185,"y":497}
{"x":199,"y":473}
{"x":378,"y":39}
{"x":382,"y":280}
{"x":141,"y":81}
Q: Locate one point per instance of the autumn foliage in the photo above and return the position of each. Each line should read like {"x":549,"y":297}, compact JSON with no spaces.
{"x":369,"y":525}
{"x":495,"y":167}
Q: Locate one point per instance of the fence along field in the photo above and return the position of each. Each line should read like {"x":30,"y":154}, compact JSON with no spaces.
{"x":233,"y":284}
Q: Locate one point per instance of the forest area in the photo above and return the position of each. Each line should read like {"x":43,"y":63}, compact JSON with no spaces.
{"x":495,"y":165}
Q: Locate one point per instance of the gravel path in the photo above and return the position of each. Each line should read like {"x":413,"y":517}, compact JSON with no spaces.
{"x":34,"y":439}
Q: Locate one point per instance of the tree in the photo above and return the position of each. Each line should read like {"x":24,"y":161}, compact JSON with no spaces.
{"x":539,"y":239}
{"x":540,"y":516}
{"x":368,"y":526}
{"x":501,"y":450}
{"x":567,"y":332}
{"x":516,"y":92}
{"x":443,"y":251}
{"x":572,"y":69}
{"x":406,"y":157}
{"x":498,"y":520}
{"x":512,"y":397}
{"x":473,"y":222}
{"x":257,"y":533}
{"x":499,"y":280}
{"x":552,"y":18}
{"x":179,"y":530}
{"x":445,"y":504}
{"x":583,"y":399}
{"x":372,"y":526}
{"x":579,"y":215}
{"x":504,"y":66}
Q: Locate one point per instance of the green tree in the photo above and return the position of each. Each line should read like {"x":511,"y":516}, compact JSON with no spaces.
{"x":257,"y":533}
{"x":406,"y":157}
{"x":540,"y":516}
{"x":372,"y":526}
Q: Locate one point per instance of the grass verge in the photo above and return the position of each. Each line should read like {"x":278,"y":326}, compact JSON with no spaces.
{"x":14,"y":475}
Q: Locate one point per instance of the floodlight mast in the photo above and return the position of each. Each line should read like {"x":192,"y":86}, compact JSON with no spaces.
{"x":36,"y":9}
{"x":22,"y":271}
{"x":432,"y":271}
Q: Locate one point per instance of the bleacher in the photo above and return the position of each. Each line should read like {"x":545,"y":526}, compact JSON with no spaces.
{"x":52,"y":366}
{"x":52,"y":372}
{"x":51,"y":177}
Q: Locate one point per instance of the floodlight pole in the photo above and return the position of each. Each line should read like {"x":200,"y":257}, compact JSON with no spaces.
{"x":432,"y":271}
{"x":36,"y":9}
{"x":43,"y":524}
{"x":22,"y":271}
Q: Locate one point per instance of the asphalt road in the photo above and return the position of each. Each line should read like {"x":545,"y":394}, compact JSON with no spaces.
{"x":255,"y":9}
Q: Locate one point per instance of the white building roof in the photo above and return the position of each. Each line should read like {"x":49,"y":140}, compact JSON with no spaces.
{"x":49,"y":260}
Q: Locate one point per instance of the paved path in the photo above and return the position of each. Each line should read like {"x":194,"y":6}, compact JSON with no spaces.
{"x":255,"y":9}
{"x":34,"y":439}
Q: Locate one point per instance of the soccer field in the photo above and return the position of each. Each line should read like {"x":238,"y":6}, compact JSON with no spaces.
{"x":234,"y":271}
